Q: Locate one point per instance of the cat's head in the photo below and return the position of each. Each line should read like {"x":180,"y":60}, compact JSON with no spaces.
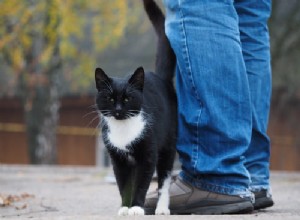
{"x":119,"y":98}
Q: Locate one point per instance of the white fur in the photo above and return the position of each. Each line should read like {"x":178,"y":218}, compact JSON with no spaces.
{"x":123,"y":132}
{"x":123,"y":211}
{"x":136,"y":210}
{"x":162,"y":207}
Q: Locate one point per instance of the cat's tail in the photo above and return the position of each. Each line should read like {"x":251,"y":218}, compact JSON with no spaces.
{"x":165,"y":58}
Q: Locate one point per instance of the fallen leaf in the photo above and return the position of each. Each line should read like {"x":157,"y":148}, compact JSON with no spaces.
{"x":7,"y":200}
{"x":21,"y":207}
{"x":26,"y":196}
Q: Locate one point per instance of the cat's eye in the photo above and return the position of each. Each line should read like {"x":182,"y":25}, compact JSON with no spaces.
{"x":126,"y":100}
{"x":108,"y":98}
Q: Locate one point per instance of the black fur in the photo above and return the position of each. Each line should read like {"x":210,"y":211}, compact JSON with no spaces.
{"x":165,"y":57}
{"x":153,"y":94}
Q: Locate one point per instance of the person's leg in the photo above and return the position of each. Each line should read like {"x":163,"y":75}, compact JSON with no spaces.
{"x":253,"y":17}
{"x":213,"y":95}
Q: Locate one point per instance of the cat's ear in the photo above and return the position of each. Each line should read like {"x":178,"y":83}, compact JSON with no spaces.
{"x":137,"y":79}
{"x":101,"y":78}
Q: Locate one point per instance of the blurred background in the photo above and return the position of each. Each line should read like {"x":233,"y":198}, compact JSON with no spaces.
{"x":50,"y":49}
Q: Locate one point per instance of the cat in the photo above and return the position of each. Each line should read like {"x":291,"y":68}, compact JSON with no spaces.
{"x":139,"y":124}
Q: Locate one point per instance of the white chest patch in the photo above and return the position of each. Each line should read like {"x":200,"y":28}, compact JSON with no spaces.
{"x":123,"y":132}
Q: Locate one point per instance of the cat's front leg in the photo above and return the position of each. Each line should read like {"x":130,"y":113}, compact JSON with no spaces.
{"x":143,"y":177}
{"x":124,"y":176}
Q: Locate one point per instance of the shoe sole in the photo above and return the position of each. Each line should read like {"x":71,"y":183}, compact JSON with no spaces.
{"x":262,"y":203}
{"x":235,"y":208}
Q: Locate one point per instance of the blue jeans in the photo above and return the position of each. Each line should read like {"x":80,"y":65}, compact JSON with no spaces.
{"x":223,"y":85}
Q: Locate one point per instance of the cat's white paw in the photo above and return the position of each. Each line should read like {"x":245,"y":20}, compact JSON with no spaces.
{"x":162,"y":211}
{"x":136,"y":210}
{"x":123,"y":211}
{"x":162,"y":207}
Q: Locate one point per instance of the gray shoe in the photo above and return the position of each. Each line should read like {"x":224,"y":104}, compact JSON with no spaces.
{"x":186,"y":199}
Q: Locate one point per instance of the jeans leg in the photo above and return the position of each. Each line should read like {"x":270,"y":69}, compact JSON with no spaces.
{"x":213,"y":94}
{"x":253,"y":17}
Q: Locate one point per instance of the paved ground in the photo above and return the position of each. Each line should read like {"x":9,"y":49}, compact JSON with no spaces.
{"x":43,"y":192}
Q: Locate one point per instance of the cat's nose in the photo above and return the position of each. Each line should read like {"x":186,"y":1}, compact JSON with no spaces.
{"x":118,"y":110}
{"x":118,"y":107}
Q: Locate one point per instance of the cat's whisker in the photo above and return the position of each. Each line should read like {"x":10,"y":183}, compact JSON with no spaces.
{"x":103,"y":110}
{"x":89,"y":113}
{"x":149,"y":107}
{"x":94,"y":119}
{"x":107,"y":114}
{"x":100,"y":124}
{"x":144,"y":113}
{"x":134,"y":113}
{"x":100,"y":112}
{"x":94,"y":106}
{"x":97,"y":128}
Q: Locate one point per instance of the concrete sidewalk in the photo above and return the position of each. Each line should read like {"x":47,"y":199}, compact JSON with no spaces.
{"x":47,"y":192}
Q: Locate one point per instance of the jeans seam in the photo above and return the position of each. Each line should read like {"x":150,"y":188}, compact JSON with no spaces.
{"x":195,"y":156}
{"x":186,"y":57}
{"x":191,"y":79}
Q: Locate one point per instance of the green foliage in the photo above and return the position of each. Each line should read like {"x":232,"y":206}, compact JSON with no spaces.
{"x":30,"y":32}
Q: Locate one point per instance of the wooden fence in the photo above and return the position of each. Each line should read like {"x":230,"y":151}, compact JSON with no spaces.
{"x":77,"y":136}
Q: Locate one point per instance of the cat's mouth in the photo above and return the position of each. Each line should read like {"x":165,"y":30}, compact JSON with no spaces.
{"x":115,"y":115}
{"x":119,"y":116}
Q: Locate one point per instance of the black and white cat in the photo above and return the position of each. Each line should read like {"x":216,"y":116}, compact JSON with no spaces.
{"x":139,"y":115}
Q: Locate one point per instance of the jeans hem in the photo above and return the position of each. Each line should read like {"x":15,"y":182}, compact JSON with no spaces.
{"x":201,"y":184}
{"x":259,"y":188}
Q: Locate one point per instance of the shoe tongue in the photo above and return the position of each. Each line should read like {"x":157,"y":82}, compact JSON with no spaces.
{"x":152,"y":194}
{"x":179,"y":188}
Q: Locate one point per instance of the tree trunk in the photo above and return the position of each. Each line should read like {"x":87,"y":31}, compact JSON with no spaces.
{"x":41,"y":111}
{"x":41,"y":92}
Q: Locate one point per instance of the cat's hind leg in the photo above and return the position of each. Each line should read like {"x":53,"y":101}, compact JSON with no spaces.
{"x":162,"y":207}
{"x":164,"y":169}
